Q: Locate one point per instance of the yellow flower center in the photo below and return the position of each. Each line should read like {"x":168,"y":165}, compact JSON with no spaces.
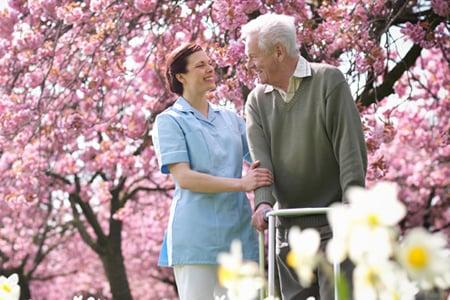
{"x":6,"y":287}
{"x":418,"y":257}
{"x":395,"y":296}
{"x":226,"y":275}
{"x":373,"y":220}
{"x":371,"y":277}
{"x":292,"y":259}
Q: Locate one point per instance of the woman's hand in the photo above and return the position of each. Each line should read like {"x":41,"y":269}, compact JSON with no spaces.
{"x":256,"y":178}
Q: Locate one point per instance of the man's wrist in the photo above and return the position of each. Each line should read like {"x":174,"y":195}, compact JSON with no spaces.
{"x":261,"y":204}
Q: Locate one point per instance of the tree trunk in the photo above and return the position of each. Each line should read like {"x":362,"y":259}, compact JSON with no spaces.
{"x":114,"y":266}
{"x":25,"y":293}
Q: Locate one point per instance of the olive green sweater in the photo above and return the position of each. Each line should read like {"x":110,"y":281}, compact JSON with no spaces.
{"x":314,"y":145}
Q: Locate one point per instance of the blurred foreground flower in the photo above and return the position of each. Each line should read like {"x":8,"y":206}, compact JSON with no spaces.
{"x":364,"y":230}
{"x":424,"y":256}
{"x":241,"y":278}
{"x":384,"y":280}
{"x":9,"y":287}
{"x":303,"y":255}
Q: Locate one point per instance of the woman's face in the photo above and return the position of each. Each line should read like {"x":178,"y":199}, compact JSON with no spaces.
{"x":200,"y":76}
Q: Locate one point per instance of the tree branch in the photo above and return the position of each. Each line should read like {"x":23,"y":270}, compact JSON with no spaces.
{"x":80,"y":226}
{"x":50,"y":277}
{"x":88,"y":212}
{"x":59,"y":177}
{"x":372,"y":95}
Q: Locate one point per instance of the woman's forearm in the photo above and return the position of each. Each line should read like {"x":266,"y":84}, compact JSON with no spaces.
{"x":204,"y":183}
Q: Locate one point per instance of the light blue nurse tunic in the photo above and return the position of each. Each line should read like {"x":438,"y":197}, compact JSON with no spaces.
{"x":202,"y":225}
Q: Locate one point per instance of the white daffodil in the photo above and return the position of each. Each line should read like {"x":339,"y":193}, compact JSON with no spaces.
{"x":397,"y":284}
{"x":382,"y":281}
{"x":364,"y":229}
{"x":370,"y":245}
{"x":378,"y":206}
{"x":340,"y":221}
{"x":241,"y":278}
{"x":426,"y":259}
{"x":366,"y":281}
{"x":303,"y":255}
{"x":9,"y":287}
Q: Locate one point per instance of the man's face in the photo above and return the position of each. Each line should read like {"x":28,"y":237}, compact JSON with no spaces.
{"x":259,"y":61}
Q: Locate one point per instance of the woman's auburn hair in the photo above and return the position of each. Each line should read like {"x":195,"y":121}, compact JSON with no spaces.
{"x":177,"y":63}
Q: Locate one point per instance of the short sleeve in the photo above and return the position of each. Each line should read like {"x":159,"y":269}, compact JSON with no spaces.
{"x":169,"y":142}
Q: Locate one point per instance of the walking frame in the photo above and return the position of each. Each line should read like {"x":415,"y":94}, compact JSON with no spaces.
{"x":271,"y":217}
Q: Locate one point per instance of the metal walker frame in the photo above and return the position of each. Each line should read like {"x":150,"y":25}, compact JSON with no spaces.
{"x":271,"y":215}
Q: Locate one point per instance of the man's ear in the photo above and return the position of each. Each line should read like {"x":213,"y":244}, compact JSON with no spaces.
{"x":280,"y":52}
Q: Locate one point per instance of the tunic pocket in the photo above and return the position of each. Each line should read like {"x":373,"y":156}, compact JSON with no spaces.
{"x":199,"y":156}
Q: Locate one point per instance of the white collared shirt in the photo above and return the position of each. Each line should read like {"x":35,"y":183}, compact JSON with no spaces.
{"x":302,"y":70}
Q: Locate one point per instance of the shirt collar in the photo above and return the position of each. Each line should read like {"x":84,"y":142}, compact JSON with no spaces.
{"x":302,"y":70}
{"x":183,"y":105}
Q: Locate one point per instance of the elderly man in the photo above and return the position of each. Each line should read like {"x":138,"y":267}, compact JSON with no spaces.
{"x":302,"y":125}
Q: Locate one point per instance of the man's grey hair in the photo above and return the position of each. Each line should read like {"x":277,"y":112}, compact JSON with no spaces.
{"x":272,"y":29}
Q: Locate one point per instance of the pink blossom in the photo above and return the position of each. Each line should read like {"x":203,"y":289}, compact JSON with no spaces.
{"x":417,"y":34}
{"x":17,"y":4}
{"x":8,"y":18}
{"x":34,"y":79}
{"x":6,"y":161}
{"x":136,"y":124}
{"x":441,"y":7}
{"x":42,"y":7}
{"x":25,"y":37}
{"x":97,"y":5}
{"x":144,"y":6}
{"x":230,"y":16}
{"x":71,"y":13}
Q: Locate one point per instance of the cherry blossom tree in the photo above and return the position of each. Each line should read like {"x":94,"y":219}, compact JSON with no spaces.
{"x":409,"y":142}
{"x":82,"y":81}
{"x":28,"y":237}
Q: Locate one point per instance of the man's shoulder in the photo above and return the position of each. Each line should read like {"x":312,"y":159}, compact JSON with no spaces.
{"x":326,"y":71}
{"x":258,"y":92}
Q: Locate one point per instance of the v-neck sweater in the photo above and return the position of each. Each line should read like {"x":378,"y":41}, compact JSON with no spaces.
{"x":314,"y":145}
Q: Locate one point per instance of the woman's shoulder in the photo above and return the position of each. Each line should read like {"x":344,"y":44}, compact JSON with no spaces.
{"x":170,"y":113}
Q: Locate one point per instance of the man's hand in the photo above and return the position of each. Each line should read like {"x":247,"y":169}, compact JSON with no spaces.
{"x":258,"y":220}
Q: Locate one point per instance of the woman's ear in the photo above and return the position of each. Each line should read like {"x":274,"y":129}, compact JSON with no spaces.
{"x":180,"y":77}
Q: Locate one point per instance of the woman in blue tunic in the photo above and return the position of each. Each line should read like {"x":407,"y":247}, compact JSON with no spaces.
{"x":203,"y":147}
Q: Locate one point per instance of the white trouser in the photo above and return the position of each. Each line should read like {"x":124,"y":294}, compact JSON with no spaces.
{"x":198,"y":282}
